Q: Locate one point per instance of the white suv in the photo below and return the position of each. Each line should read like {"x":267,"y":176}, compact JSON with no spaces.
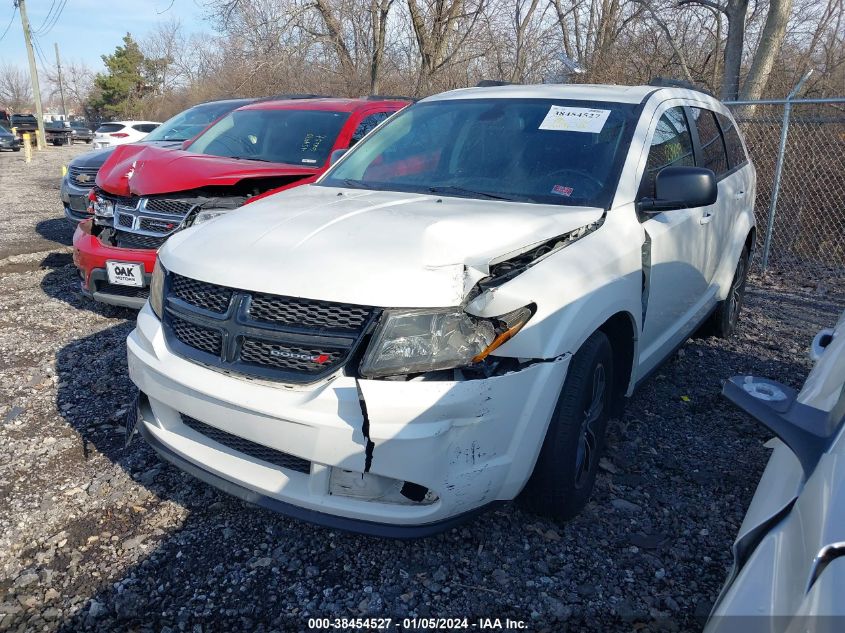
{"x":451,"y":314}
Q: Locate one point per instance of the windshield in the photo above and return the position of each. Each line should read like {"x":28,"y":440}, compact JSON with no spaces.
{"x":79,"y":125}
{"x":293,"y":137}
{"x":188,"y":124}
{"x":531,"y":150}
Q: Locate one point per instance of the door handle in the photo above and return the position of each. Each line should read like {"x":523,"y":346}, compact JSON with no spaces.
{"x":705,"y":219}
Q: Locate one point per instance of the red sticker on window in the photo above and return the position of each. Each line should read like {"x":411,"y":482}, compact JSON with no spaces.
{"x":562,"y":191}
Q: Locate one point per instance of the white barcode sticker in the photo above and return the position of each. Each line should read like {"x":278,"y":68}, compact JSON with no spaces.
{"x":567,"y":119}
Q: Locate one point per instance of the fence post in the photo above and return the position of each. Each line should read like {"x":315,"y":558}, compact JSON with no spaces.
{"x":787,"y":111}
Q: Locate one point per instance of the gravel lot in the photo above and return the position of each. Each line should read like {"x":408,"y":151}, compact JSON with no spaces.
{"x":95,"y":537}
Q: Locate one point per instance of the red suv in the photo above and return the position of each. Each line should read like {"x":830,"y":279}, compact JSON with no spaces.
{"x":144,"y":193}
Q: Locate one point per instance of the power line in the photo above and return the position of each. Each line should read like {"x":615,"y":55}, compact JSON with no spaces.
{"x":41,"y":55}
{"x":9,"y":25}
{"x":46,"y":17}
{"x":58,"y":14}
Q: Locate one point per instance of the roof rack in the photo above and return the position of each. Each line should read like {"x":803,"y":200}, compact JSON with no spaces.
{"x":668,"y":82}
{"x":492,"y":83}
{"x":388,"y":98}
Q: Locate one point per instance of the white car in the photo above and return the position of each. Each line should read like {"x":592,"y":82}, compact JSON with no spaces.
{"x":450,"y":315}
{"x":121,"y":132}
{"x":789,"y":555}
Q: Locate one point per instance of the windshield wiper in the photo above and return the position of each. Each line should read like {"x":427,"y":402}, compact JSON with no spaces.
{"x":261,"y":160}
{"x":462,"y":191}
{"x":356,"y":184}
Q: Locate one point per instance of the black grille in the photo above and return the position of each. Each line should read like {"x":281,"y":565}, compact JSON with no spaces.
{"x":201,"y":338}
{"x":87,"y":174}
{"x":253,"y":449}
{"x":306,"y":313}
{"x":123,"y":291}
{"x":132,"y":240}
{"x":121,"y":200}
{"x":124,"y":219}
{"x":173,"y":207}
{"x":289,"y":358}
{"x":201,"y":294}
{"x":157,"y":226}
{"x":288,"y":339}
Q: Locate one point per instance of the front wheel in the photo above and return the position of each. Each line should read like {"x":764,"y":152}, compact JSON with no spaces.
{"x":565,"y":473}
{"x":725,"y":317}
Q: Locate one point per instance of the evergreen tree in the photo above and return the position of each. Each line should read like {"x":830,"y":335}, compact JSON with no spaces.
{"x":126,"y":81}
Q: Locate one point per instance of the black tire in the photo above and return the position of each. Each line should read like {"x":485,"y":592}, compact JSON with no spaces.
{"x":565,"y":473}
{"x":88,"y":140}
{"x":16,"y":149}
{"x":725,"y":317}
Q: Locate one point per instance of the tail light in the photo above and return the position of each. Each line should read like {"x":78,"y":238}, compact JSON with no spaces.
{"x":119,"y":134}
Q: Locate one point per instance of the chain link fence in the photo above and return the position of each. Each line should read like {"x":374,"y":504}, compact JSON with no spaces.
{"x":798,"y":148}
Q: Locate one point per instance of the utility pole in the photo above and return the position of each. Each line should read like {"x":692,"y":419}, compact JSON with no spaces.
{"x":61,"y":86}
{"x":33,"y":72}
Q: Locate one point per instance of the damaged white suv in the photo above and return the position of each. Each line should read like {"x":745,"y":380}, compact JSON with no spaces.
{"x":450,"y":315}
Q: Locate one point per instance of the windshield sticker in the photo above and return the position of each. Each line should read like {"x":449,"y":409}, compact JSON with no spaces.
{"x":562,"y":191}
{"x":566,"y":119}
{"x":309,"y":160}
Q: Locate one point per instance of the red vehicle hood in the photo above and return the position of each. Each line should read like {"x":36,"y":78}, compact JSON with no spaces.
{"x":145,"y":170}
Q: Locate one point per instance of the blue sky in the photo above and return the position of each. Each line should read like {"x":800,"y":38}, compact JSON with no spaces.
{"x":88,"y":29}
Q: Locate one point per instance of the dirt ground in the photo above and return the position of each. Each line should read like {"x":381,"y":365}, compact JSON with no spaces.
{"x":95,"y":537}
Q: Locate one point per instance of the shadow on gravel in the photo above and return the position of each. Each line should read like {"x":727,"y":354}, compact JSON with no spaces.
{"x":57,"y":230}
{"x":62,"y":283}
{"x":654,"y":544}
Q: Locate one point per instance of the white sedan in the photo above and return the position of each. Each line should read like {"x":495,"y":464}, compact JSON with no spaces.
{"x":121,"y":132}
{"x":789,"y":555}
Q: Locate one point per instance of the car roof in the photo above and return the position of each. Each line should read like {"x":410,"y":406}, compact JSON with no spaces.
{"x":332,"y":104}
{"x":130,"y":122}
{"x":577,"y":92}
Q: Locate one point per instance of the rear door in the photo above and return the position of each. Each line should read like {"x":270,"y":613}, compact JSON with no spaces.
{"x":712,"y":155}
{"x":739,"y":182}
{"x":675,"y":285}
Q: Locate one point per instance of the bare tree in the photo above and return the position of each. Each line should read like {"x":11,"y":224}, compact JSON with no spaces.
{"x":735,"y":11}
{"x":442,"y":28}
{"x":15,"y":89}
{"x":770,"y":43}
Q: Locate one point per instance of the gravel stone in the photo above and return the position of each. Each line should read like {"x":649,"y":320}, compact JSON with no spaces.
{"x":147,"y":548}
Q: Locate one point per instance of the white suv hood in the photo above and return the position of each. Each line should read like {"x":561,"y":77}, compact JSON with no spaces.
{"x":377,"y":248}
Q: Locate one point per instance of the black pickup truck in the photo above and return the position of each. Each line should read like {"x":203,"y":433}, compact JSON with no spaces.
{"x":56,"y":132}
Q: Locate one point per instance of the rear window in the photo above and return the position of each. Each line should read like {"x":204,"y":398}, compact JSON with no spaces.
{"x":733,"y":144}
{"x":23,"y":118}
{"x":106,"y":128}
{"x":146,"y":128}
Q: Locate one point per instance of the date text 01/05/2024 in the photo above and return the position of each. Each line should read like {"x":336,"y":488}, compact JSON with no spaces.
{"x":437,"y":624}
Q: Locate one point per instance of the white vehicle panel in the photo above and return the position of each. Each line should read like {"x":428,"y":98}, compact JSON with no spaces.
{"x":340,"y":239}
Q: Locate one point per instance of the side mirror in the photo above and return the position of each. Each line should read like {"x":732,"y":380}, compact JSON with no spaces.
{"x":681,"y":188}
{"x":186,"y":143}
{"x":336,"y":156}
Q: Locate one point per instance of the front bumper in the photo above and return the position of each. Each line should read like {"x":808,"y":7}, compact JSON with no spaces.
{"x":11,"y":143}
{"x":75,"y":202}
{"x":470,"y":443}
{"x":90,"y":256}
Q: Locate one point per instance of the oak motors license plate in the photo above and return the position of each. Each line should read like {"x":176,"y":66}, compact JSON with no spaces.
{"x":125,"y":273}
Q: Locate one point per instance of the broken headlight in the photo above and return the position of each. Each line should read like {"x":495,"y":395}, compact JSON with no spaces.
{"x":157,"y":289}
{"x":101,"y":207}
{"x":208,"y":214}
{"x":419,"y":341}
